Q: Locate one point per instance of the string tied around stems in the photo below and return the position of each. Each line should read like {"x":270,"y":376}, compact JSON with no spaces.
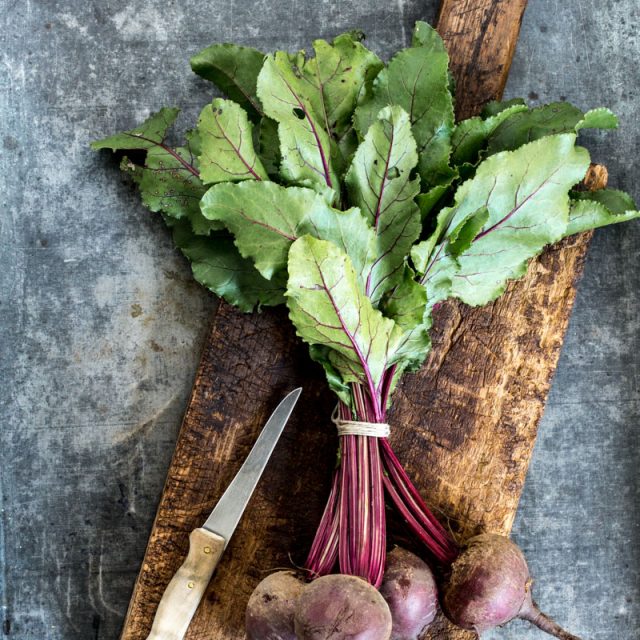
{"x":359,"y":427}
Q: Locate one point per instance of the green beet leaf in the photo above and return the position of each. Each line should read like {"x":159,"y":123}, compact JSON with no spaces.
{"x":526,"y":195}
{"x":151,"y":133}
{"x":407,"y":307}
{"x":601,"y":118}
{"x":217,"y":264}
{"x":417,"y":80}
{"x":592,"y":209}
{"x":458,"y":238}
{"x":266,"y":218}
{"x":329,"y":308}
{"x":471,"y":136}
{"x":234,"y":70}
{"x":462,"y":236}
{"x":549,"y":119}
{"x":425,"y":36}
{"x":431,"y":200}
{"x":269,"y":147}
{"x":495,"y":107}
{"x":422,"y":252}
{"x":350,"y":232}
{"x":169,"y":181}
{"x":379,"y":182}
{"x":226,"y":144}
{"x":335,"y":79}
{"x":508,"y":125}
{"x":305,"y":146}
{"x":322,"y":355}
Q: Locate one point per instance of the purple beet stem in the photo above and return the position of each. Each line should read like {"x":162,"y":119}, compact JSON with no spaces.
{"x":352,"y":531}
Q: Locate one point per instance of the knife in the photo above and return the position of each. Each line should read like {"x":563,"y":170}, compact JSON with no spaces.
{"x":206,"y":544}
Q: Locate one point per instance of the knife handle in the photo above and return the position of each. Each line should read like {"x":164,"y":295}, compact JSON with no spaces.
{"x":183,"y":594}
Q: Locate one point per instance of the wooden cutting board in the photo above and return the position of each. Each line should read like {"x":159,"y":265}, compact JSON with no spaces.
{"x":464,"y":425}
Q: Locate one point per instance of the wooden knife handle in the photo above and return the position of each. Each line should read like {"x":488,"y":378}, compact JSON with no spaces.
{"x":183,"y":594}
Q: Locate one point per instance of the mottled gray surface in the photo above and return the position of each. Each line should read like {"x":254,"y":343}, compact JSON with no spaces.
{"x":101,"y":326}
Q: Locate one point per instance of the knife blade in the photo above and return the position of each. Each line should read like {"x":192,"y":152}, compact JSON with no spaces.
{"x":226,"y":514}
{"x":206,"y":544}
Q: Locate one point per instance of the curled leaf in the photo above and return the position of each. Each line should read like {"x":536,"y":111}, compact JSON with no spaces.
{"x":593,"y":209}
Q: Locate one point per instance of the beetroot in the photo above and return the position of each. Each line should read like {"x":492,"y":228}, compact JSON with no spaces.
{"x":410,"y":590}
{"x":490,"y":585}
{"x":269,"y":614}
{"x":341,"y":607}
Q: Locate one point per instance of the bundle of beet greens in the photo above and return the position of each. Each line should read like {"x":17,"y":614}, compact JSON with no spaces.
{"x":343,"y":188}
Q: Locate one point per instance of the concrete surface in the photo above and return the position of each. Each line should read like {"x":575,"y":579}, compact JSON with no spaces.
{"x":101,"y":325}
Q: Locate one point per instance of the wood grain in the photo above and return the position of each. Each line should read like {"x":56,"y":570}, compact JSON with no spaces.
{"x":464,"y":425}
{"x":481,"y":39}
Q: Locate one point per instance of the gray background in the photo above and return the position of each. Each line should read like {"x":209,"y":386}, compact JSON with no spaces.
{"x":101,"y":326}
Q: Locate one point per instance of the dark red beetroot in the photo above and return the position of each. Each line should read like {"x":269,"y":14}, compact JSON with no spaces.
{"x":269,"y":614}
{"x":490,"y":585}
{"x":341,"y":607}
{"x":410,"y":590}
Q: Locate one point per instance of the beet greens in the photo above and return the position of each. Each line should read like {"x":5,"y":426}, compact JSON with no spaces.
{"x":343,"y":187}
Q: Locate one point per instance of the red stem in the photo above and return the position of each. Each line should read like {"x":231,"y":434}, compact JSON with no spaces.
{"x":353,"y":526}
{"x":414,"y":525}
{"x":412,"y":498}
{"x":324,"y":550}
{"x":379,"y":539}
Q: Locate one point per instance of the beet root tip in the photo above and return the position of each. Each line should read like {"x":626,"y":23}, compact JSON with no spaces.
{"x":532,"y":614}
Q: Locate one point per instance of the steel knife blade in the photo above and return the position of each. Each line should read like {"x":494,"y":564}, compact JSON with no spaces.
{"x":226,"y":514}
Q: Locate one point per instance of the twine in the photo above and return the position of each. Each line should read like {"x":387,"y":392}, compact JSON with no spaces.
{"x":359,"y":428}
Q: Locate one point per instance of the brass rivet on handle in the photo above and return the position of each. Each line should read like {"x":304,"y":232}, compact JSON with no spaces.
{"x":190,"y":585}
{"x":207,"y":549}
